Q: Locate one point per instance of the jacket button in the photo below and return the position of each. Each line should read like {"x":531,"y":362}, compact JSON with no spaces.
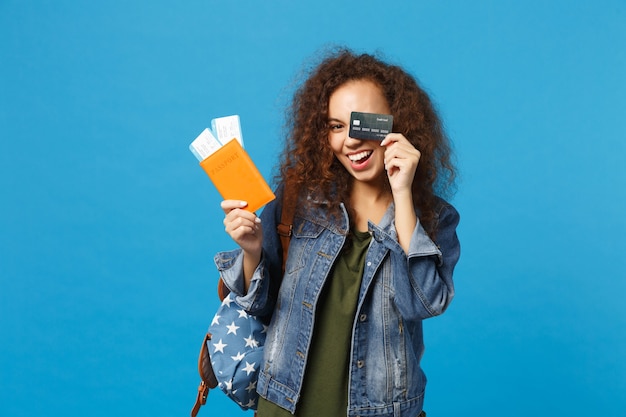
{"x":360,"y":364}
{"x":363,"y":317}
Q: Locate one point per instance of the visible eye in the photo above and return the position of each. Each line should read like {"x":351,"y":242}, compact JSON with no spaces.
{"x":335,"y":127}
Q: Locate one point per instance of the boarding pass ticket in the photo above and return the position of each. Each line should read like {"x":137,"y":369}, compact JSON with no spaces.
{"x":223,"y":130}
{"x":227,"y":128}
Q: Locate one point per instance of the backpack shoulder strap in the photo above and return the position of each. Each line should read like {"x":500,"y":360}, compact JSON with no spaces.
{"x":285,"y":227}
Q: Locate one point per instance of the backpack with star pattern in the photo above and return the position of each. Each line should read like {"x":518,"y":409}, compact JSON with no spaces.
{"x":236,"y":349}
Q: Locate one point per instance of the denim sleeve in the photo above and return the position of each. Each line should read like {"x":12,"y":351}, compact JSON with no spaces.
{"x":426,"y":288}
{"x":230,"y":266}
{"x":260,"y":297}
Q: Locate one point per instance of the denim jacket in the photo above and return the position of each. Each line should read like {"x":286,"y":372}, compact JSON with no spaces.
{"x":397,"y":292}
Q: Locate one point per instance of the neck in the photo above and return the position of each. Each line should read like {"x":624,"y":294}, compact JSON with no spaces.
{"x":367,"y":193}
{"x":369,"y":202}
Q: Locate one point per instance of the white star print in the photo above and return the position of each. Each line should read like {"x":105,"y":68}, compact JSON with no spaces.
{"x":232,"y":329}
{"x":229,"y":385}
{"x":249,"y":368}
{"x":219,"y":346}
{"x":239,"y":357}
{"x":242,"y":314}
{"x":251,"y":342}
{"x":251,"y":386}
{"x":227,"y":301}
{"x":216,"y":320}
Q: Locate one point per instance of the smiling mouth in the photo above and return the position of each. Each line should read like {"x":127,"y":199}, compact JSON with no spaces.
{"x":361,"y":157}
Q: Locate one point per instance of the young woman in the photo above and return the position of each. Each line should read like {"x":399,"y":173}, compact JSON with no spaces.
{"x":372,"y":251}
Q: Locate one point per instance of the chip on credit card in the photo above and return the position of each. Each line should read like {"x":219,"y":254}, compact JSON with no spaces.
{"x":370,"y":126}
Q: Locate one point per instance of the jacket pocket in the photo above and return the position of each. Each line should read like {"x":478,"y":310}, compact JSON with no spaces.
{"x":304,"y":236}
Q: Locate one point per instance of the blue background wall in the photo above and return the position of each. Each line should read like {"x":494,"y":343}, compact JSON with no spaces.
{"x":108,"y":225}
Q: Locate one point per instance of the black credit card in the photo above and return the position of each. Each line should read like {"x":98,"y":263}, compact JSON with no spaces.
{"x":370,"y":126}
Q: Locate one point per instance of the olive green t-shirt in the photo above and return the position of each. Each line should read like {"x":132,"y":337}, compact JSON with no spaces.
{"x":325,"y":388}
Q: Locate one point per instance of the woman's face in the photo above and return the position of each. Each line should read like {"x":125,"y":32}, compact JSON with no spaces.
{"x":364,"y":159}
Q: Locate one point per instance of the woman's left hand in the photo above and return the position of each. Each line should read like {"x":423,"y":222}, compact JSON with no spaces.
{"x":401,"y":159}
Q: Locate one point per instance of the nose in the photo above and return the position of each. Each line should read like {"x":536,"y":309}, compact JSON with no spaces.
{"x":352,"y":142}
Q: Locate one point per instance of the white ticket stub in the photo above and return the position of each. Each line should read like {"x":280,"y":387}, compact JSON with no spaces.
{"x":227,"y":128}
{"x":204,"y":145}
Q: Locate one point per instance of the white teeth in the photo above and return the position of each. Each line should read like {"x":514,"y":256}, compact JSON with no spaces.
{"x":358,"y":156}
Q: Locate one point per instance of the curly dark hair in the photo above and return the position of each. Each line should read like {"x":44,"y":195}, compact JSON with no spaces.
{"x":310,"y":166}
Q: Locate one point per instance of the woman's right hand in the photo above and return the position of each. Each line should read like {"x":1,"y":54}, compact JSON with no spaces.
{"x":243,"y":227}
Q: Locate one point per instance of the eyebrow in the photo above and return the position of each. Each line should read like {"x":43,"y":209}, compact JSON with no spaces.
{"x":333,"y":119}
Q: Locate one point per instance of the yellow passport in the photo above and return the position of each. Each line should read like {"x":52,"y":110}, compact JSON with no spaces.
{"x":235,"y":176}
